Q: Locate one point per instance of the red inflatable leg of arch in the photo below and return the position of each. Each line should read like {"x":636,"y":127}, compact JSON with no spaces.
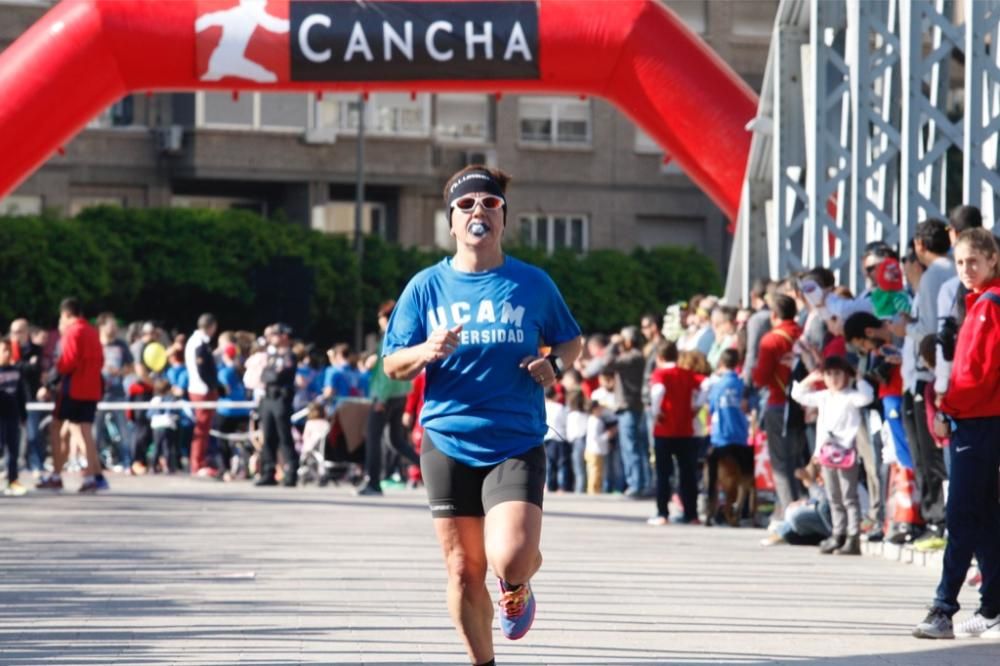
{"x":85,"y":54}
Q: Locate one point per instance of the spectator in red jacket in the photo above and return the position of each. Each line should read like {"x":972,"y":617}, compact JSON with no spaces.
{"x":973,"y":403}
{"x":786,"y":443}
{"x":672,"y":391}
{"x":80,"y":366}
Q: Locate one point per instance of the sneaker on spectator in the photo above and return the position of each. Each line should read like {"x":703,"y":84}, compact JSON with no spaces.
{"x":51,"y":482}
{"x":92,"y":484}
{"x":773,"y":540}
{"x":929,"y":543}
{"x":138,"y":468}
{"x":979,"y":626}
{"x":15,"y":489}
{"x":368,"y":490}
{"x":517,"y":610}
{"x":265,"y":481}
{"x":657,"y":521}
{"x":831,"y":544}
{"x":936,"y":625}
{"x":875,"y":536}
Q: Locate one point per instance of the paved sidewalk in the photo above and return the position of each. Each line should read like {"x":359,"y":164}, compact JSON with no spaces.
{"x":169,"y":570}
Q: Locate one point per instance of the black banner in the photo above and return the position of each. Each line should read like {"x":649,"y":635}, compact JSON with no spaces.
{"x":401,"y":41}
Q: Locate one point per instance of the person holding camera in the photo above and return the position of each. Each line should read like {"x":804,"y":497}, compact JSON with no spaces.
{"x":970,"y":413}
{"x":874,"y":337}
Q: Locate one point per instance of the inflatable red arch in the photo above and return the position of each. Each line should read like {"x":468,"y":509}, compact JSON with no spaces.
{"x":85,"y":54}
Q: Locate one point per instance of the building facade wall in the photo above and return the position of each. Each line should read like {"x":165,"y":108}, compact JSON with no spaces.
{"x":630,"y":197}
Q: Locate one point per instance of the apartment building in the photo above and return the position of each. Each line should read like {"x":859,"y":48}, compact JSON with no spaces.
{"x":584,"y":176}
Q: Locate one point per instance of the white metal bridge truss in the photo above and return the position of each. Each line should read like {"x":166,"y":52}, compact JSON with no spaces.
{"x":862,"y":102}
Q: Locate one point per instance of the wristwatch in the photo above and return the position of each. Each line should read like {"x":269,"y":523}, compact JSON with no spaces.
{"x":557,"y":364}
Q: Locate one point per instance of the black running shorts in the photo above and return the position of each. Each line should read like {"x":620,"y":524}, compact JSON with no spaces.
{"x":456,"y":489}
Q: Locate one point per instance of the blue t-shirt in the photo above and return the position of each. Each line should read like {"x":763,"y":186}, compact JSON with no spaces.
{"x":729,"y":423}
{"x":235,"y":392}
{"x":345,"y":380}
{"x":177,"y":375}
{"x":480,"y":406}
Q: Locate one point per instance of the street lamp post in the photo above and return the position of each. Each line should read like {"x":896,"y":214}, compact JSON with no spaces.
{"x":359,"y":241}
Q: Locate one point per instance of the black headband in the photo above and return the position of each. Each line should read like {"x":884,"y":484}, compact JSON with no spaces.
{"x":472,"y":182}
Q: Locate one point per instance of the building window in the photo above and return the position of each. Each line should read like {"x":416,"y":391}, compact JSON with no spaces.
{"x":555,"y":232}
{"x":20,"y":204}
{"x":442,"y":231}
{"x":119,"y":114}
{"x":337,"y":217}
{"x":218,"y":203}
{"x":645,"y":144}
{"x":561,"y":121}
{"x":253,"y":110}
{"x":462,"y":118}
{"x":754,"y":18}
{"x":79,"y":203}
{"x":693,"y":13}
{"x":386,"y":114}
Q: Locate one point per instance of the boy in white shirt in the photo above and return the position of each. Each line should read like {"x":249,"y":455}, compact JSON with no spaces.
{"x":558,"y":451}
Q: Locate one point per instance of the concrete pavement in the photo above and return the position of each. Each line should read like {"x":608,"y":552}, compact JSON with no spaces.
{"x":167,"y":570}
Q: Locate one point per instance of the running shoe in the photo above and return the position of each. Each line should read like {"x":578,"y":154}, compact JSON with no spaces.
{"x":517,"y":610}
{"x":50,"y":483}
{"x":928,"y":544}
{"x":15,"y":489}
{"x":657,"y":521}
{"x":936,"y":625}
{"x":94,"y":484}
{"x":979,"y":626}
{"x":773,"y":540}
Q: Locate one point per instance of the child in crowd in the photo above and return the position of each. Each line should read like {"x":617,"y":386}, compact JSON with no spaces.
{"x":141,"y":390}
{"x":730,"y":428}
{"x":600,"y":432}
{"x":164,"y":424}
{"x":559,"y":474}
{"x":604,"y":394}
{"x":13,"y":412}
{"x":576,"y":433}
{"x":316,"y":429}
{"x":837,"y":424}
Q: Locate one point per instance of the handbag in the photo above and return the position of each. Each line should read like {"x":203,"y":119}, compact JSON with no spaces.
{"x":832,"y":454}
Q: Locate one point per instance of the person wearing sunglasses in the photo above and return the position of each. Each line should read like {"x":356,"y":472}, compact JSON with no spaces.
{"x":476,"y":322}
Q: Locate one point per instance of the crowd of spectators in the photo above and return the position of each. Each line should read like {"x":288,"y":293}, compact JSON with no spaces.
{"x":830,"y":396}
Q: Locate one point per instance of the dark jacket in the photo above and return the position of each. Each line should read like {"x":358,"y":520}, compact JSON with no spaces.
{"x":13,"y":393}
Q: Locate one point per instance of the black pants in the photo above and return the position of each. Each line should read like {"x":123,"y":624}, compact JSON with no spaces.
{"x":276,"y":424}
{"x":686,"y":451}
{"x":928,"y":459}
{"x":973,"y":514}
{"x":391,"y":415}
{"x":165,"y":440}
{"x":10,"y":441}
{"x":142,"y":437}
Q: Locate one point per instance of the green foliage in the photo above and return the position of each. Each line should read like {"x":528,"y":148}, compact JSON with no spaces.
{"x":172,"y":264}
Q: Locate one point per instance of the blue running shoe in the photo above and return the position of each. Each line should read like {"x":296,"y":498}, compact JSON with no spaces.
{"x":94,"y":484}
{"x":517,"y":610}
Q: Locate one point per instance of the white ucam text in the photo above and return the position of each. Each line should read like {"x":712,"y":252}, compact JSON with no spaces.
{"x":462,"y":312}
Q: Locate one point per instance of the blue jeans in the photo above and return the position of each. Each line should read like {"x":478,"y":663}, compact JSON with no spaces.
{"x":973,"y":514}
{"x":634,"y":442}
{"x":614,"y":478}
{"x":35,"y":455}
{"x":807,"y":524}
